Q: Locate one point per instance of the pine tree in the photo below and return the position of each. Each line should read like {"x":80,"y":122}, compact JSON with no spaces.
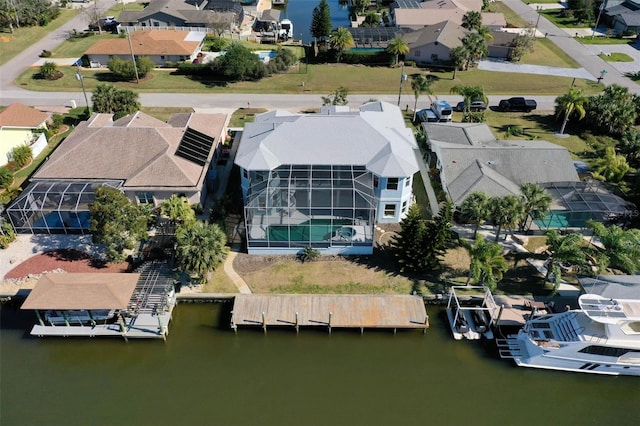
{"x":321,"y":21}
{"x":438,"y":234}
{"x":408,"y":246}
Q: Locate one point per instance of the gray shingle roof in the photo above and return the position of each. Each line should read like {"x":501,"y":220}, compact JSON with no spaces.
{"x":375,"y":136}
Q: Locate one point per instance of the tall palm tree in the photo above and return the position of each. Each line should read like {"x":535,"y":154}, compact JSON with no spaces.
{"x":459,"y":57}
{"x":506,"y":212}
{"x":472,"y":20}
{"x":536,"y":202}
{"x":475,"y":208}
{"x":621,"y":247}
{"x":476,"y":45}
{"x":572,"y":102}
{"x":341,"y":40}
{"x":201,"y":247}
{"x":470,"y":94}
{"x":567,"y":249}
{"x":398,"y":46}
{"x":177,"y":209}
{"x":420,"y":84}
{"x":487,"y":265}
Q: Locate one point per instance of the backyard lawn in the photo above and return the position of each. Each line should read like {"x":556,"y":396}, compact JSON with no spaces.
{"x":74,"y":47}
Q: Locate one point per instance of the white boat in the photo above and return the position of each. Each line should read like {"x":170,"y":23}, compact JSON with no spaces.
{"x":286,"y":29}
{"x":602,"y":337}
{"x":471,"y":321}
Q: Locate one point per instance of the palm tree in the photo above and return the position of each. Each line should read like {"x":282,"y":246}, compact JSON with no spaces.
{"x":472,"y":20}
{"x":459,"y":57}
{"x":201,"y":247}
{"x":487,"y":265}
{"x":621,"y":247}
{"x":572,"y":102}
{"x":612,"y":167}
{"x":567,"y":249}
{"x":536,"y":202}
{"x":341,"y":40}
{"x":476,"y":46}
{"x":398,"y":46}
{"x":506,"y":212}
{"x":177,"y":209}
{"x":475,"y":208}
{"x":470,"y":94}
{"x":420,"y":84}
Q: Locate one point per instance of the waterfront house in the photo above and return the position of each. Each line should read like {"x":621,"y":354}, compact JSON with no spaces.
{"x":21,"y":125}
{"x":416,"y":14}
{"x":148,"y":159}
{"x":218,"y":15}
{"x":324,"y":180}
{"x":434,"y":42}
{"x":161,"y":46}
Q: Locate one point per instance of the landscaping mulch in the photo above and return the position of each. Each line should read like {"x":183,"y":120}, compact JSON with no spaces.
{"x":68,"y":260}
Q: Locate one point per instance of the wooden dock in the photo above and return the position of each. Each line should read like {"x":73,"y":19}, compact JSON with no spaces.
{"x":330,"y":311}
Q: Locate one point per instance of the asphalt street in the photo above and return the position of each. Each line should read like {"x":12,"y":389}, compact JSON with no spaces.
{"x":295,"y":102}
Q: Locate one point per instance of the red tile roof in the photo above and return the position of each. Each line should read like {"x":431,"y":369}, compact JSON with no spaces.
{"x":20,"y":115}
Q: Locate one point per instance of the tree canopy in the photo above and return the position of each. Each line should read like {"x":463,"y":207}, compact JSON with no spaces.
{"x":119,"y":102}
{"x":338,"y":97}
{"x":201,"y":247}
{"x":397,"y":46}
{"x":116,"y":223}
{"x":321,"y":21}
{"x":27,"y":13}
{"x":127,"y":71}
{"x":341,"y":40}
{"x":419,"y":85}
{"x":613,"y":111}
{"x":239,"y":64}
{"x":571,"y":103}
{"x":487,"y":263}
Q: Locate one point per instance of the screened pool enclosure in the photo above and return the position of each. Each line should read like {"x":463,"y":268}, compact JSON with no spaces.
{"x":56,"y":207}
{"x":303,"y":205}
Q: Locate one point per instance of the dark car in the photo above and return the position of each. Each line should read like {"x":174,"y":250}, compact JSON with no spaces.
{"x":517,"y":104}
{"x":474,"y":107}
{"x":427,"y":116}
{"x":108,"y":24}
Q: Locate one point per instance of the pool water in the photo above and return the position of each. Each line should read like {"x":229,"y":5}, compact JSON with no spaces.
{"x":310,"y":230}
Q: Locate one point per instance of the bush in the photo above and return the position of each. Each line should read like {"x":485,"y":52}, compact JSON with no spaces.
{"x":126,"y":69}
{"x":21,"y":155}
{"x":7,"y":235}
{"x":187,"y":68}
{"x":309,"y":254}
{"x":46,"y":54}
{"x":515,"y":131}
{"x":6,"y":177}
{"x":216,"y":44}
{"x":48,"y":71}
{"x":57,"y":120}
{"x":367,"y":58}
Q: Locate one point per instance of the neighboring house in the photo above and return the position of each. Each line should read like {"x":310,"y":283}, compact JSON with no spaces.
{"x":148,"y":159}
{"x":19,"y":125}
{"x":186,"y":13}
{"x":501,"y":45}
{"x":494,"y":21}
{"x":470,"y":159}
{"x":433,"y":44}
{"x":623,"y":17}
{"x":161,"y":46}
{"x":324,"y":180}
{"x":415,"y":14}
{"x":378,"y":37}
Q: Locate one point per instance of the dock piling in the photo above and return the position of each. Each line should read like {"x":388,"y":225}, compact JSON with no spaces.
{"x":264,"y":322}
{"x":330,"y":314}
{"x":297,"y":323}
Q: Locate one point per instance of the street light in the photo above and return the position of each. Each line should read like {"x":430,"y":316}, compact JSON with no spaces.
{"x":79,"y":77}
{"x":403,"y":78}
{"x":535,"y":31}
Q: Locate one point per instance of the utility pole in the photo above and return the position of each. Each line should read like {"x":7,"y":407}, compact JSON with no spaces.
{"x":602,"y":6}
{"x":79,"y":77}
{"x":133,"y":57}
{"x":535,"y":31}
{"x":403,"y":78}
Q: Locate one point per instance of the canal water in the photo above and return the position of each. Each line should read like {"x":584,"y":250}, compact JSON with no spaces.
{"x":205,"y":375}
{"x":300,"y":13}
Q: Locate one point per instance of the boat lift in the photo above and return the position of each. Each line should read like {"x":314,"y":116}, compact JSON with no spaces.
{"x":471,"y":322}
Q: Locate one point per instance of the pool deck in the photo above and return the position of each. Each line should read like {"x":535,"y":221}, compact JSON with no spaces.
{"x":330,"y":311}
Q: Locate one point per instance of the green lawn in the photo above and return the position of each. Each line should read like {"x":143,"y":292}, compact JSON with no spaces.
{"x":76,"y":46}
{"x":513,"y":19}
{"x":616,"y":57}
{"x":163,"y":113}
{"x":546,"y":53}
{"x":555,"y":16}
{"x":605,"y":40}
{"x":118,"y":8}
{"x":320,"y":79}
{"x":12,"y":44}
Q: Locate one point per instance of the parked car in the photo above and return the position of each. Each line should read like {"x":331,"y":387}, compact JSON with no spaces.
{"x":517,"y":104}
{"x":427,"y":116}
{"x":475,"y":106}
{"x":108,"y":23}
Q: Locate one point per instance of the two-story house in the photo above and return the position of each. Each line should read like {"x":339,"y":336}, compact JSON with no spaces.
{"x":324,"y":180}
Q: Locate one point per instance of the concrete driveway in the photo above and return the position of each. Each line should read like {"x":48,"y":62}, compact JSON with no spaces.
{"x":629,"y":49}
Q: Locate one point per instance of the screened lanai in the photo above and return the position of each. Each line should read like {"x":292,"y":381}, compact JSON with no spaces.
{"x":575,"y":203}
{"x":54,"y":206}
{"x":303,"y":205}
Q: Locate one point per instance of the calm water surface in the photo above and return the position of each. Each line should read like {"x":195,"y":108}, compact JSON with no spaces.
{"x":204,"y":374}
{"x":300,"y":11}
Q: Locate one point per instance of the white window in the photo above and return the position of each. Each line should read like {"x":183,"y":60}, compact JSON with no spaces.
{"x":392,"y":184}
{"x":145,"y":197}
{"x":404,"y":207}
{"x":407,"y":181}
{"x":389,"y":210}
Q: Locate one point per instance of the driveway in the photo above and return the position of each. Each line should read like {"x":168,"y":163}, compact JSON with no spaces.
{"x":629,"y":49}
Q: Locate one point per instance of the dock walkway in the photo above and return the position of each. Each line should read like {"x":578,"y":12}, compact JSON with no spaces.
{"x":331,"y":311}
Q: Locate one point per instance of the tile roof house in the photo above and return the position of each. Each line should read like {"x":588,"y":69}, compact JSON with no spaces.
{"x":415,"y":14}
{"x":325,"y":179}
{"x":186,"y":13}
{"x":434,"y":42}
{"x":161,"y":46}
{"x":148,"y":159}
{"x":17,"y":125}
{"x":470,"y":159}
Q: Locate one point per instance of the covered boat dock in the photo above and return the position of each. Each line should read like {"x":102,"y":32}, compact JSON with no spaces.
{"x":330,"y":311}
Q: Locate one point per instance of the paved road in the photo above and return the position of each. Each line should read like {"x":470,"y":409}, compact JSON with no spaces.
{"x":10,"y":93}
